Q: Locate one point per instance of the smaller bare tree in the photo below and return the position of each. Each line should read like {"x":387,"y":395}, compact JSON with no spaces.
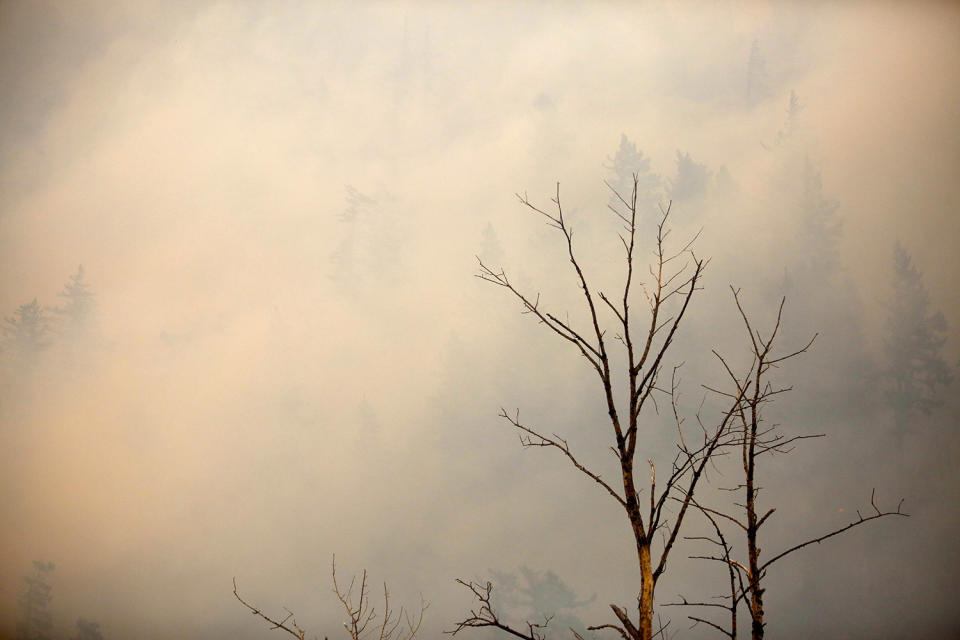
{"x":363,"y":621}
{"x":753,"y":390}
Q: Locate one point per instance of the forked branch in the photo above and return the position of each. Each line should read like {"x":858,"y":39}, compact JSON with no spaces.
{"x":288,"y":624}
{"x":486,"y":616}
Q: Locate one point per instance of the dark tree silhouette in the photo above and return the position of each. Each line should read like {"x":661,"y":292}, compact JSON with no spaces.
{"x":630,"y":168}
{"x":25,"y":334}
{"x":823,"y":295}
{"x":915,"y":371}
{"x":542,"y":595}
{"x":78,"y":298}
{"x":758,"y":86}
{"x":490,"y":248}
{"x":692,"y":179}
{"x":36,"y":622}
{"x":821,"y":227}
{"x":87,"y":630}
{"x":369,"y":250}
{"x":792,"y":124}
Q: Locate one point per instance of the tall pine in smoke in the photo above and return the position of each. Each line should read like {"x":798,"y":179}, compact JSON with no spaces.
{"x":758,"y":87}
{"x":627,"y":161}
{"x":25,"y":334}
{"x":78,"y":300}
{"x":87,"y":630}
{"x":36,"y":622}
{"x":691,"y":182}
{"x":820,"y":291}
{"x":915,"y":371}
{"x":369,"y":251}
{"x":821,"y":227}
{"x":541,"y":595}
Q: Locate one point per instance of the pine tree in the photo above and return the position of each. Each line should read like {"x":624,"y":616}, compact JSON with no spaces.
{"x":692,"y":179}
{"x":370,"y":247}
{"x":490,"y":250}
{"x":915,"y":371}
{"x":543,"y":595}
{"x":628,"y":161}
{"x":820,"y":229}
{"x":79,"y":300}
{"x":87,"y":630}
{"x":36,"y":622}
{"x":822,"y":293}
{"x":792,"y":124}
{"x":758,"y":87}
{"x":25,"y":334}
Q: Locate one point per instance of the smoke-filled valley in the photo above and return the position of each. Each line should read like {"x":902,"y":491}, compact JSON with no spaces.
{"x":243,"y":333}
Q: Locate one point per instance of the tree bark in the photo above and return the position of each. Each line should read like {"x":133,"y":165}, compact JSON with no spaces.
{"x":646,"y":594}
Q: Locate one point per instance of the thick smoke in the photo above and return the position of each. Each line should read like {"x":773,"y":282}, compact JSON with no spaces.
{"x":276,"y":350}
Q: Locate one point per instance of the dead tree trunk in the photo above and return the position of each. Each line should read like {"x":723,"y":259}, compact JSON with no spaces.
{"x":674,"y":280}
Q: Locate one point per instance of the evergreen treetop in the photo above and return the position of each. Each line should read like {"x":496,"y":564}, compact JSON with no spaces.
{"x":915,"y":368}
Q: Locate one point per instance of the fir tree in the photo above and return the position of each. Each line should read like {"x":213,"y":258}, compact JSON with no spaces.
{"x":87,"y":630}
{"x":792,"y":125}
{"x":36,"y":622}
{"x":370,"y":247}
{"x":490,"y":250}
{"x":79,"y":300}
{"x":25,"y":333}
{"x":758,"y":88}
{"x":628,"y":161}
{"x":542,"y":595}
{"x":820,"y":229}
{"x":915,"y":370}
{"x":692,"y":179}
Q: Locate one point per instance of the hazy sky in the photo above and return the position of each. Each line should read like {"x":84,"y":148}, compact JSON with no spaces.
{"x":278,"y":370}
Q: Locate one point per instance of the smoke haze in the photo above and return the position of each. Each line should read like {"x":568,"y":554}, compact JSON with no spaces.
{"x":278,"y":206}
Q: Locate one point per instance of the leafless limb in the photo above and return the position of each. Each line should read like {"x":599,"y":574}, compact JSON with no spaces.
{"x":532,"y":438}
{"x":877,"y":513}
{"x":288,"y":624}
{"x":735,"y":574}
{"x":485,"y":616}
{"x":362,"y":625}
{"x":392,"y":626}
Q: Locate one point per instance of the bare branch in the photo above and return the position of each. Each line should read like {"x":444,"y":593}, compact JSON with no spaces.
{"x":485,"y":616}
{"x":293,"y":629}
{"x":860,"y":520}
{"x":499,"y":278}
{"x":535,"y":439}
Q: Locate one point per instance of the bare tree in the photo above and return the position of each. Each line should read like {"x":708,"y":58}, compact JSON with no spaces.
{"x":752,"y":390}
{"x":673,"y":279}
{"x":363,"y":618}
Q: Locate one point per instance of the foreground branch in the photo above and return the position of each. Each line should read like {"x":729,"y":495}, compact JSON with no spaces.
{"x":485,"y":616}
{"x":362,"y":623}
{"x":293,"y":629}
